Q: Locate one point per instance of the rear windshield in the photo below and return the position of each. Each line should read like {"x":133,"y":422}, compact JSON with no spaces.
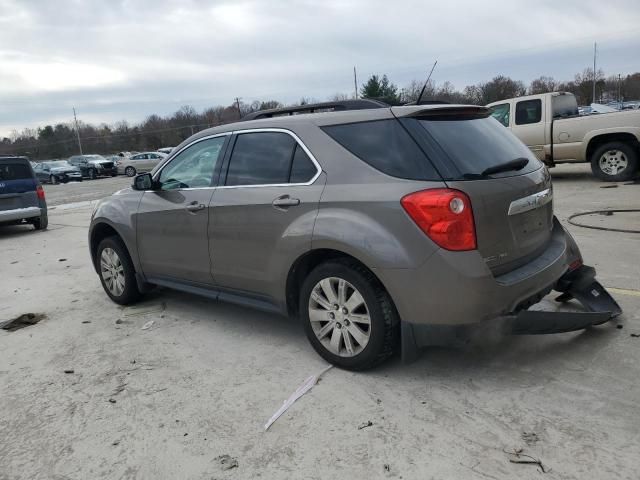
{"x":386,"y":146}
{"x":59,"y":163}
{"x":475,"y":144}
{"x":14,"y":171}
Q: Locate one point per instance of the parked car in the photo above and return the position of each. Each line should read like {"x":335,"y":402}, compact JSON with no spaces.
{"x":369,"y":225}
{"x":550,"y":126}
{"x":22,"y":198}
{"x":57,"y":171}
{"x":166,"y":150}
{"x":94,"y":166}
{"x":138,"y":163}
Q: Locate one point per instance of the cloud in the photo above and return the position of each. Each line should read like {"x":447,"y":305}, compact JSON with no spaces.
{"x":124,"y":59}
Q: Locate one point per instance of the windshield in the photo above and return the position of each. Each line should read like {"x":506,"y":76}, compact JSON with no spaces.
{"x":475,"y":144}
{"x":59,"y":163}
{"x":93,"y":158}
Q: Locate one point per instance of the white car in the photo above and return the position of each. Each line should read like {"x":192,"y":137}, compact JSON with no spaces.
{"x":140,"y":162}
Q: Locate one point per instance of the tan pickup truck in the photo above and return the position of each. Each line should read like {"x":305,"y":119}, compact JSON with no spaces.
{"x":550,"y":126}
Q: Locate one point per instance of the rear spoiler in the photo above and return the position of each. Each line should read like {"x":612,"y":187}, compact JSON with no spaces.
{"x":443,"y":112}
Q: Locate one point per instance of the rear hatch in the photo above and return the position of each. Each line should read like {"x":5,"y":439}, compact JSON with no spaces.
{"x":512,"y":205}
{"x":17,"y":184}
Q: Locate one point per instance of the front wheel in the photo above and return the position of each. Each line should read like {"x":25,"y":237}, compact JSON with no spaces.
{"x":615,"y":162}
{"x":93,"y":174}
{"x":348,"y":316}
{"x":117,"y":275}
{"x":53,"y":180}
{"x":130,"y":172}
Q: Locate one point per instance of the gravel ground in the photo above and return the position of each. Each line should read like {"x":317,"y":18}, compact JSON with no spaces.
{"x":172,"y":400}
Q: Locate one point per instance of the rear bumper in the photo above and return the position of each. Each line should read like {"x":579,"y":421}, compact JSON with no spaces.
{"x":19,"y":214}
{"x":457,"y":288}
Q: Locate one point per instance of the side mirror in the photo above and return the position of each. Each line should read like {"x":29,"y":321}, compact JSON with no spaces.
{"x":144,"y":181}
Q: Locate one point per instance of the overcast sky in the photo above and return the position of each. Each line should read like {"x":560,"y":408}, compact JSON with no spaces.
{"x":126,"y":59}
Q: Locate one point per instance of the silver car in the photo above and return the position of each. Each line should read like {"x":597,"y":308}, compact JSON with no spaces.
{"x":139,"y":163}
{"x":381,"y":228}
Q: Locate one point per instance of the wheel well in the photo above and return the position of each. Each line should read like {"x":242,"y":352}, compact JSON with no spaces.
{"x":600,"y":140}
{"x":99,"y":233}
{"x":304,"y":265}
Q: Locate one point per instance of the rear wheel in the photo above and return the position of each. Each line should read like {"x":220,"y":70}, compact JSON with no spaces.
{"x":41,"y":222}
{"x":117,"y":275}
{"x":130,"y":171}
{"x":52,"y":179}
{"x":615,"y":162}
{"x":93,"y":174}
{"x":348,"y":316}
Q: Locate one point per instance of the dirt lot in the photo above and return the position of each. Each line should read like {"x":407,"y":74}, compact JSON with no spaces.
{"x":168,"y":401}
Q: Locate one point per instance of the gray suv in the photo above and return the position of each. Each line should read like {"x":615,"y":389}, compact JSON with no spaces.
{"x":378,"y":227}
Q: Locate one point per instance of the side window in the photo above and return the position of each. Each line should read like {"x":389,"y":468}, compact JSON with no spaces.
{"x":386,"y":146}
{"x":261,"y":158}
{"x":501,"y":113}
{"x":194,"y":166}
{"x":528,"y":111}
{"x":302,"y":168}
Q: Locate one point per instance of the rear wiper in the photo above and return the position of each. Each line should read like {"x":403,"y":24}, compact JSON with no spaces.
{"x":515,"y":164}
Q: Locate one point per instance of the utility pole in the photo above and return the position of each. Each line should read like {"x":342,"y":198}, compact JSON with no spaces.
{"x":619,"y":97}
{"x":595,"y":46}
{"x":238,"y":106}
{"x":355,"y":82}
{"x":75,"y":119}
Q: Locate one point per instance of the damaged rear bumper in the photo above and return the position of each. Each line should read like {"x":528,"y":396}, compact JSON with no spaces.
{"x":580,"y":284}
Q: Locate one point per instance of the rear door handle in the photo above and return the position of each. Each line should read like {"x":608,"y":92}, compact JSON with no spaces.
{"x":285,"y":201}
{"x":195,"y":206}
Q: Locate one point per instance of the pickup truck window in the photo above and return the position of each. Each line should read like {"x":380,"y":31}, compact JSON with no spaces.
{"x":501,"y":113}
{"x":528,"y":111}
{"x":564,"y":106}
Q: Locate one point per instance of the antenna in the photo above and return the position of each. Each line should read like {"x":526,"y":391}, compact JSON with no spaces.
{"x":425,"y":83}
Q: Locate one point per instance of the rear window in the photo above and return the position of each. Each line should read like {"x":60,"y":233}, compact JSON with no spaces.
{"x":473,"y":145}
{"x":386,"y":146}
{"x":564,"y":106}
{"x":14,"y":171}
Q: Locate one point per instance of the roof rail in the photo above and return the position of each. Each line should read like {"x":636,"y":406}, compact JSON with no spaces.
{"x":338,"y":106}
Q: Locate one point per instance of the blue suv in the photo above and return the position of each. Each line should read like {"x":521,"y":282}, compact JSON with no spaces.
{"x":21,"y":195}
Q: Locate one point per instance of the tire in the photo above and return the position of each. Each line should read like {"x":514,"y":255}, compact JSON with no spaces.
{"x":615,"y":162}
{"x":41,"y":222}
{"x":381,"y":333}
{"x":53,"y":180}
{"x":121,"y":294}
{"x":130,"y":172}
{"x":93,"y":174}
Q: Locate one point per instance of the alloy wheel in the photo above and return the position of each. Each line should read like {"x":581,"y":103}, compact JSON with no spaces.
{"x":613,"y":162}
{"x":339,"y":317}
{"x":112,"y":271}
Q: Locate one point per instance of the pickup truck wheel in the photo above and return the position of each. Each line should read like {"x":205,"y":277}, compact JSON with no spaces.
{"x":614,"y":162}
{"x":117,"y":274}
{"x":348,"y":316}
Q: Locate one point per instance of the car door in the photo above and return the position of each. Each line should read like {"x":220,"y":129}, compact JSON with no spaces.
{"x":172,"y":220}
{"x":262,"y":213}
{"x":528,"y":125}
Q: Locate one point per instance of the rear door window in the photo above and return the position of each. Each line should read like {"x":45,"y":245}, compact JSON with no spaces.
{"x":268,"y":158}
{"x":474,"y":144}
{"x":386,"y":146}
{"x":14,"y":171}
{"x":528,"y":111}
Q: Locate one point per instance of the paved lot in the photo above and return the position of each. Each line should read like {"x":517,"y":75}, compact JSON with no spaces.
{"x":74,"y":192}
{"x":203,"y":380}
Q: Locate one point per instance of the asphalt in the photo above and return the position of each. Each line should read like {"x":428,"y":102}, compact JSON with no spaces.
{"x":170,"y":401}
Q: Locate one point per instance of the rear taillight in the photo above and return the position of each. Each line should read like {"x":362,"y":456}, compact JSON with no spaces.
{"x":445,"y":215}
{"x":40,"y":192}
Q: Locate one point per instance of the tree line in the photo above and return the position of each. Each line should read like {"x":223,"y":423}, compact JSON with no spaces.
{"x":156,"y":131}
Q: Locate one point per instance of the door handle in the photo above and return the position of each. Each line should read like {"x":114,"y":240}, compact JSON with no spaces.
{"x":284,"y":202}
{"x":195,"y":206}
